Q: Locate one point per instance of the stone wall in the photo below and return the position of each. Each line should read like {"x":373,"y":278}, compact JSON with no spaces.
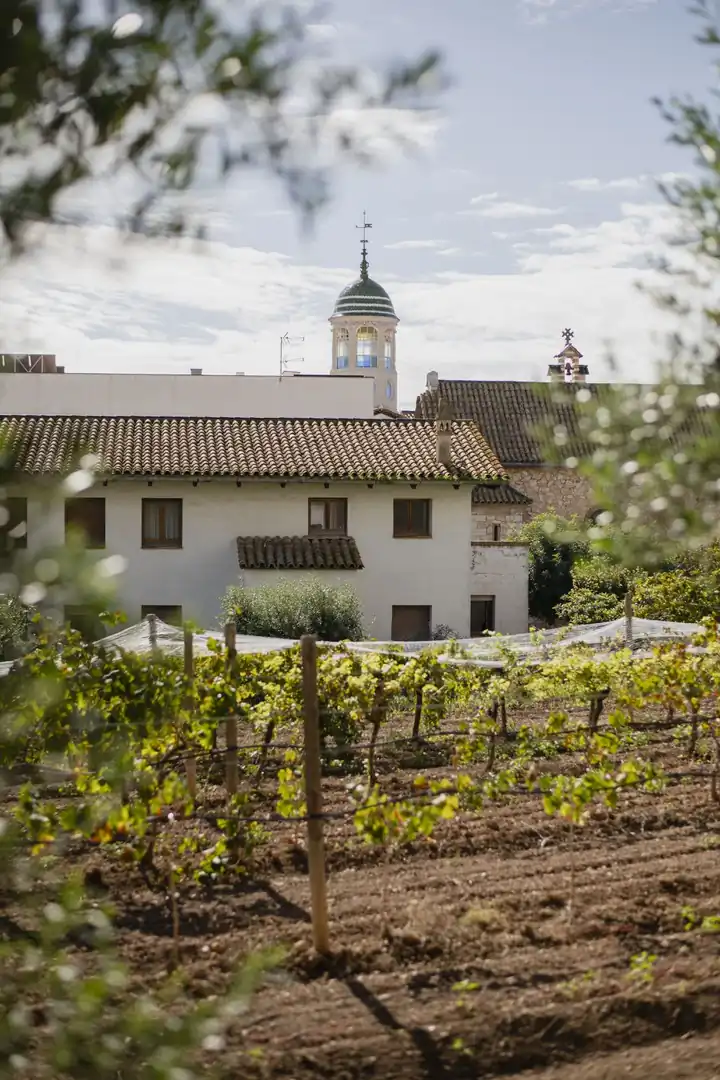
{"x":552,"y":488}
{"x":485,"y":516}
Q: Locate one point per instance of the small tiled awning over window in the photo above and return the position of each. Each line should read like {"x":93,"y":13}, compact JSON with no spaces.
{"x":499,"y":494}
{"x":298,"y":553}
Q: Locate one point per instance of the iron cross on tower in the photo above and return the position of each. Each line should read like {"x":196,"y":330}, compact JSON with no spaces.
{"x":365,"y":226}
{"x":568,"y":335}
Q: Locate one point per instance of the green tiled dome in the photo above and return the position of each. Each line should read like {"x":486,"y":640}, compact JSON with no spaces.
{"x":364,"y":297}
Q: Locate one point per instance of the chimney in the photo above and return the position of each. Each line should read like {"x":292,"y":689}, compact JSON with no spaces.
{"x":443,"y":431}
{"x":432,"y":381}
{"x":196,"y":371}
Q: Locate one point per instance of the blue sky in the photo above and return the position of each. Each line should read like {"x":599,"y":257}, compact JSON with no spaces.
{"x":529,"y":204}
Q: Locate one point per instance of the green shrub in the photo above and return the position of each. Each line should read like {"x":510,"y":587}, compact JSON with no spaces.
{"x":598,"y":591}
{"x":14,"y":625}
{"x":689,"y":591}
{"x":554,"y":544}
{"x":292,"y":608}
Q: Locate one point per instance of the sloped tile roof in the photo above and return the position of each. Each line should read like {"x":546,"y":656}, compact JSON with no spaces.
{"x":508,"y":413}
{"x":298,"y":553}
{"x":499,"y":494}
{"x":372,"y":449}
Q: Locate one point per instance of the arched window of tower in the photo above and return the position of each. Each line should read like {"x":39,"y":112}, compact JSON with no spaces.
{"x":389,"y":390}
{"x":343,"y":348}
{"x":388,"y":352}
{"x":367,"y":347}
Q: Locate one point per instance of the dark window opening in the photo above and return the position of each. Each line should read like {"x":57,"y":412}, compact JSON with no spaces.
{"x":411,"y":622}
{"x":496,"y":533}
{"x":411,"y":517}
{"x":86,"y":517}
{"x":13,"y":532}
{"x":482,"y":615}
{"x":85,"y":621}
{"x":167,"y":613}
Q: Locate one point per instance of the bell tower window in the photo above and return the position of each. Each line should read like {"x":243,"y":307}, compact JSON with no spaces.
{"x":343,"y":349}
{"x":367,"y":347}
{"x":389,"y":390}
{"x":388,"y":352}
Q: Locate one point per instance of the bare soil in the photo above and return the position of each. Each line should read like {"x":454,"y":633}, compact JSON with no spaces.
{"x":502,"y":947}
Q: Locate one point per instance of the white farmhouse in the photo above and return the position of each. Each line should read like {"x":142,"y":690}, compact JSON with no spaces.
{"x":204,"y":480}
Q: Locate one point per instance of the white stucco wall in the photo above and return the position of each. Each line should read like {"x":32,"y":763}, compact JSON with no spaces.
{"x":501,"y":570}
{"x":267,"y":396}
{"x":432,"y":571}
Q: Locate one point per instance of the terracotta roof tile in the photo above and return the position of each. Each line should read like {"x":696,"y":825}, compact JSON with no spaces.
{"x":298,"y":553}
{"x":372,"y":449}
{"x":508,"y":413}
{"x":499,"y":494}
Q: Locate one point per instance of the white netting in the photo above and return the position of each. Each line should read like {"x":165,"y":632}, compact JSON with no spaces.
{"x":171,"y":640}
{"x":480,"y":652}
{"x":539,"y":645}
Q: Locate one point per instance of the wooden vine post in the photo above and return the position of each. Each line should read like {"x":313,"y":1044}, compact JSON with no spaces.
{"x":189,"y":664}
{"x":629,"y":616}
{"x":152,"y":632}
{"x":313,"y":796}
{"x":231,"y":724}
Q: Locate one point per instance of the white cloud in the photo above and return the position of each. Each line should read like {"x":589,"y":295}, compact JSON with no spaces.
{"x":538,"y":11}
{"x":560,"y":229}
{"x":507,"y":209}
{"x":154,"y":306}
{"x":669,"y":178}
{"x":450,"y":251}
{"x":593,"y":183}
{"x":321,"y":31}
{"x":409,"y":245}
{"x":490,"y":197}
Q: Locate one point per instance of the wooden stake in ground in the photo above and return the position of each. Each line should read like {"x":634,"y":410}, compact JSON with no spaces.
{"x":191,"y":760}
{"x":313,"y":796}
{"x":629,"y":616}
{"x":231,"y":728}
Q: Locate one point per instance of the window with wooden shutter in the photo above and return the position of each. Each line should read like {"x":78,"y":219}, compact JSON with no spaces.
{"x":411,"y":518}
{"x":411,"y":622}
{"x":162,"y":523}
{"x":327,"y":516}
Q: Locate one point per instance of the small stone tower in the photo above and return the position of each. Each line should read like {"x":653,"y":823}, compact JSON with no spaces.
{"x":364,"y":326}
{"x":569,"y":369}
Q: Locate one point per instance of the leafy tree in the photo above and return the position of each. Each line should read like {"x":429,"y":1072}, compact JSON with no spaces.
{"x":292,"y":608}
{"x":554,"y":544}
{"x":656,"y":450}
{"x":149,"y":96}
{"x":152,"y":98}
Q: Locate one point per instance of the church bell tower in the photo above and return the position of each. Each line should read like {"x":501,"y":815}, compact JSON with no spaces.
{"x":364,"y":326}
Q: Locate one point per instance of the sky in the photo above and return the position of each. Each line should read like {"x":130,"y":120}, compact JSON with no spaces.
{"x":527,"y":203}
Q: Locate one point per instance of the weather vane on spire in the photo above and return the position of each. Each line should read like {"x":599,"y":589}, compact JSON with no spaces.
{"x":568,"y":335}
{"x":365,"y":226}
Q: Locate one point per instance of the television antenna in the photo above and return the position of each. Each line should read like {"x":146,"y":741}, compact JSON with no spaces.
{"x":287,"y":343}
